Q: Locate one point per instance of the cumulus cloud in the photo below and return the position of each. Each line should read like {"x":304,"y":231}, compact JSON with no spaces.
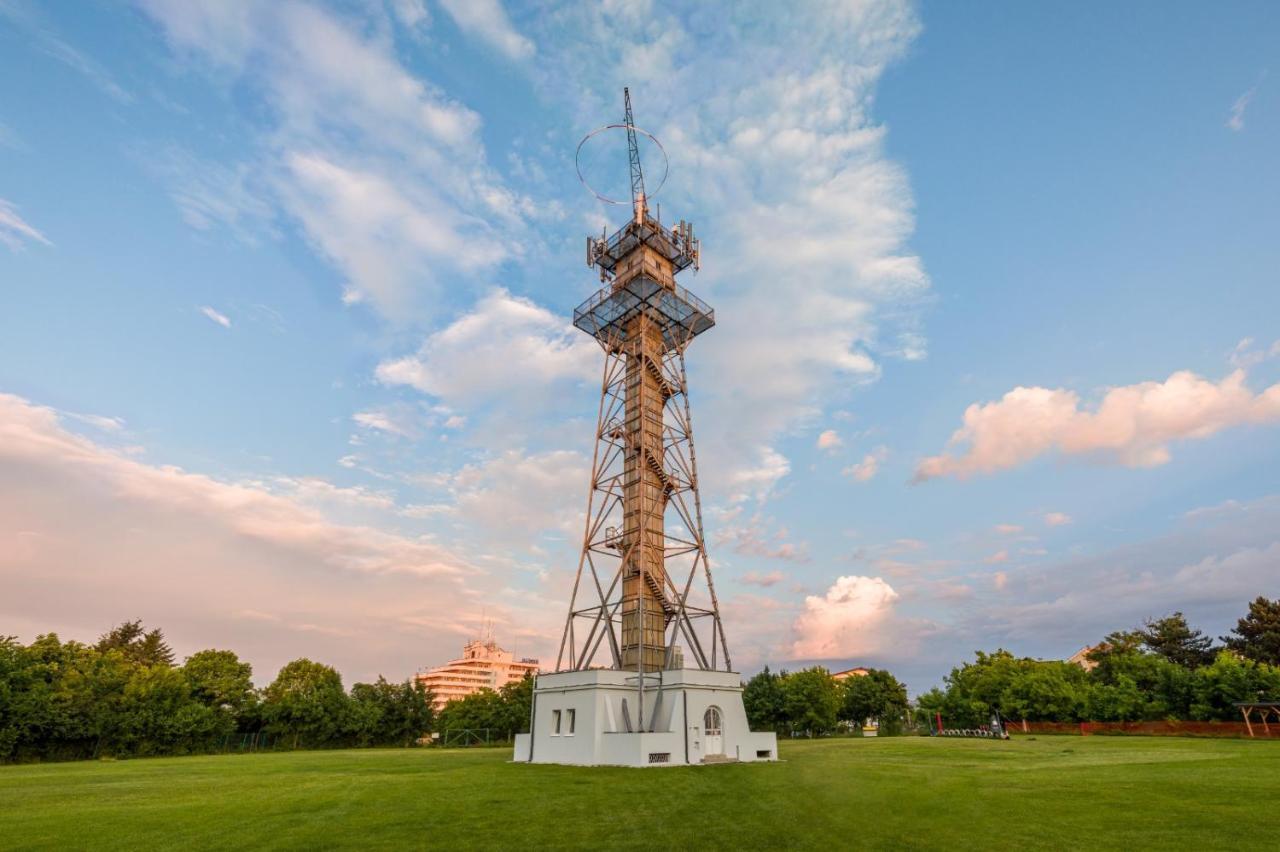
{"x":1008,"y":529}
{"x":866,"y":469}
{"x":845,"y":622}
{"x":15,"y":231}
{"x":505,"y":347}
{"x":488,"y":21}
{"x":1057,"y":519}
{"x":1132,"y":425}
{"x":216,"y":316}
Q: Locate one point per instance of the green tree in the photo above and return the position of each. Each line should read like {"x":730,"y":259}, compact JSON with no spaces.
{"x":1046,"y":691}
{"x":1174,"y":640}
{"x":220,"y":680}
{"x":138,"y":645}
{"x":811,"y":701}
{"x":157,"y":714}
{"x":876,"y":695}
{"x":222,"y":683}
{"x":480,"y":711}
{"x":765,"y":701}
{"x":1257,"y":635}
{"x":1230,"y":679}
{"x":517,"y":701}
{"x":384,"y":713}
{"x":307,"y":703}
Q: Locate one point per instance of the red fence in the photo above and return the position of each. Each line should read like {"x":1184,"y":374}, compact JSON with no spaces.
{"x":1146,"y":729}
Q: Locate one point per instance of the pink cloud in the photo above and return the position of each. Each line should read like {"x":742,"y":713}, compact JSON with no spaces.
{"x":1132,"y":425}
{"x":845,"y":621}
{"x":90,"y":536}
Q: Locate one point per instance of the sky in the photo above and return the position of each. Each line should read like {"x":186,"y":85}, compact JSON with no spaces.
{"x":286,"y":362}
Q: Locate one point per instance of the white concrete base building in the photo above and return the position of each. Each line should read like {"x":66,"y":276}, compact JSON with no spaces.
{"x":593,"y":717}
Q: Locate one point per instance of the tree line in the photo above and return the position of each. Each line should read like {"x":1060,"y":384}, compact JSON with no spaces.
{"x":1163,"y":670}
{"x":810,"y":702}
{"x":125,"y":696}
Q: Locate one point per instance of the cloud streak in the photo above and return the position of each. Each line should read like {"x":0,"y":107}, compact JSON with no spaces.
{"x":216,"y":316}
{"x":1235,"y":121}
{"x":16,"y":231}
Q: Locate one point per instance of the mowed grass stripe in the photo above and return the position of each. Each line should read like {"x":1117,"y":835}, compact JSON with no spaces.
{"x":1029,"y":793}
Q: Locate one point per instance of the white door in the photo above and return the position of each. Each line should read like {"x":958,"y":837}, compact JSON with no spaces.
{"x":712,"y":734}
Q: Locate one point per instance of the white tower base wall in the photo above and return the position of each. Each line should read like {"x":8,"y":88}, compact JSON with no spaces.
{"x":593,"y":718}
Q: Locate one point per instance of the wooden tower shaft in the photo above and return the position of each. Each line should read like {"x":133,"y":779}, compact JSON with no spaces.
{"x":647,"y":484}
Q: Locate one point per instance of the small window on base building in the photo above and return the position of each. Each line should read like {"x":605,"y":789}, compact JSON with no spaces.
{"x":555,"y":723}
{"x":572,"y":717}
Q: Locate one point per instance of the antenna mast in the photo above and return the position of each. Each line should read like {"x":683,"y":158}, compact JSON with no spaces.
{"x":633,"y":152}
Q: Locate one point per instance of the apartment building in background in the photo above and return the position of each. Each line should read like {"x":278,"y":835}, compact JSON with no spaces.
{"x":483,"y":665}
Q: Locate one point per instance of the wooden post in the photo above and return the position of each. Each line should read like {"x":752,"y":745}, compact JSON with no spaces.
{"x":1245,"y":711}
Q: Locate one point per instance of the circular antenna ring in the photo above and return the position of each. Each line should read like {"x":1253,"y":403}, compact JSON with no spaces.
{"x":577,"y":160}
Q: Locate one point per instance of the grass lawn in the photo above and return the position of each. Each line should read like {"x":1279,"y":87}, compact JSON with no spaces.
{"x":1028,"y":793}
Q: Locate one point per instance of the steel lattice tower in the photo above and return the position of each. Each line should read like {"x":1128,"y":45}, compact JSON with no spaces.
{"x":643,"y":596}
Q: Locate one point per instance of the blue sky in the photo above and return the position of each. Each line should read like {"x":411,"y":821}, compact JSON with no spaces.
{"x":285,"y":362}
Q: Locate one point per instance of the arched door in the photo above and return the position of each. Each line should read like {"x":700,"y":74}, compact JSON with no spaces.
{"x":712,"y":732}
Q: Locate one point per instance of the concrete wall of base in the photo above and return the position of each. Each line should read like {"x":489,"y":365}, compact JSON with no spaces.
{"x":598,"y":718}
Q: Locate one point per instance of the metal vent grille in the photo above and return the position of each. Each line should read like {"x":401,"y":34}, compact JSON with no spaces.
{"x":659,"y":757}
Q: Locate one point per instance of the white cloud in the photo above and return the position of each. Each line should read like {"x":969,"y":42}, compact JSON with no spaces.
{"x":386,"y":174}
{"x":488,"y":21}
{"x":996,"y":558}
{"x":804,"y":220}
{"x":1131,"y":426}
{"x":1235,"y":120}
{"x":757,"y":476}
{"x":505,"y":345}
{"x":412,"y":13}
{"x":1057,"y":519}
{"x":386,"y":241}
{"x":1248,"y":354}
{"x":220,"y":318}
{"x":401,"y":421}
{"x":516,"y":496}
{"x":845,"y":622}
{"x":755,"y":539}
{"x":829,"y":440}
{"x":866,"y":469}
{"x":1008,"y":529}
{"x":14,"y":230}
